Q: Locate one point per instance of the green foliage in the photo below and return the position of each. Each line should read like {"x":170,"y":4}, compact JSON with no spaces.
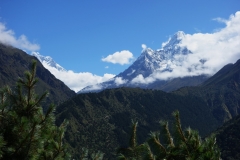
{"x":228,"y":139}
{"x":134,"y":151}
{"x":25,"y":131}
{"x":99,"y":121}
{"x":86,"y":155}
{"x":183,"y":145}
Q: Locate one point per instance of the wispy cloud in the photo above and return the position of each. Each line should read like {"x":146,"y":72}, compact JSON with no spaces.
{"x":210,"y":52}
{"x":77,"y":81}
{"x":122,"y":57}
{"x":8,"y":37}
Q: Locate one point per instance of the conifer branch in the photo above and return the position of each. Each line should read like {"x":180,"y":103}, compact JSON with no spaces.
{"x":166,"y":132}
{"x":133,"y":138}
{"x":178,"y":125}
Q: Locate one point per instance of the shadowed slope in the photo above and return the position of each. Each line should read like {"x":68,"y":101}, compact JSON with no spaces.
{"x":14,"y":62}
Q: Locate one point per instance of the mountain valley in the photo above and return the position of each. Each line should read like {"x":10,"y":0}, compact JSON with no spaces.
{"x":101,"y":120}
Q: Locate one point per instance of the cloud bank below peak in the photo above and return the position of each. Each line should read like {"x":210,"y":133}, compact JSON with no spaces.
{"x":77,"y":81}
{"x":8,"y":37}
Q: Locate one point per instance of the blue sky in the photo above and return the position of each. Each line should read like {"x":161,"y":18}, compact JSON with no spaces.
{"x":79,"y":35}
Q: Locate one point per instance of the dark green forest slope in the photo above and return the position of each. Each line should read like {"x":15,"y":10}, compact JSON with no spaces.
{"x":228,"y":139}
{"x":221,"y":92}
{"x":14,"y":62}
{"x":109,"y":112}
{"x":101,"y":121}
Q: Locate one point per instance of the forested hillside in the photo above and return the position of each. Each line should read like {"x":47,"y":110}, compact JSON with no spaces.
{"x":228,"y":139}
{"x":221,"y":92}
{"x":110,"y":112}
{"x":101,"y":121}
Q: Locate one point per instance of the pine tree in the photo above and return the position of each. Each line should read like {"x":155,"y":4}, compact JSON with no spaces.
{"x":25,"y":131}
{"x":183,"y":145}
{"x":86,"y":155}
{"x":134,"y":151}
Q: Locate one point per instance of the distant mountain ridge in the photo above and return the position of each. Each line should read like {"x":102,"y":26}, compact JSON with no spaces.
{"x":145,"y":71}
{"x":228,"y":74}
{"x":47,"y":60}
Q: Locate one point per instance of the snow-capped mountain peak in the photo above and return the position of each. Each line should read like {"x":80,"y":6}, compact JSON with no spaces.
{"x":152,"y":60}
{"x":174,"y":40}
{"x":47,"y":60}
{"x":150,"y":63}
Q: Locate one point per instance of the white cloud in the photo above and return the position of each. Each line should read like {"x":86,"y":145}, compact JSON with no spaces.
{"x":218,"y":48}
{"x":77,"y":81}
{"x":144,"y":46}
{"x":210,"y":52}
{"x":8,"y":37}
{"x":122,"y":57}
{"x":119,"y":81}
